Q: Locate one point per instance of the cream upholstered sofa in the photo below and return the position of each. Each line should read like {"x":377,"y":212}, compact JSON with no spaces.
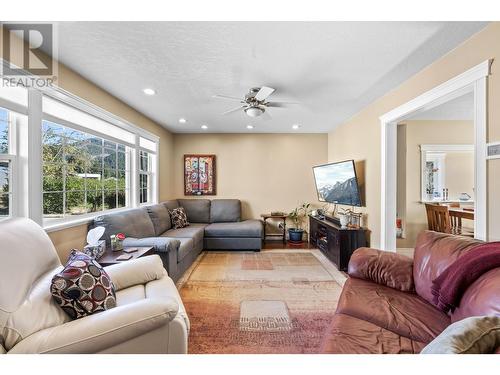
{"x":149,"y":317}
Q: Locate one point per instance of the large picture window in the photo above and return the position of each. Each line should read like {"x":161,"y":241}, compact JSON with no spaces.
{"x":82,"y":173}
{"x":64,"y":160}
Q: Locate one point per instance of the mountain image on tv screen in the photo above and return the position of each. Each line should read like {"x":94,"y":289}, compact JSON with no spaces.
{"x":337,"y":183}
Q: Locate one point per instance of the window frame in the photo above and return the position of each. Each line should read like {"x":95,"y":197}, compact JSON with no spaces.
{"x":26,"y":178}
{"x":49,"y":221}
{"x":11,"y":156}
{"x":150,"y":173}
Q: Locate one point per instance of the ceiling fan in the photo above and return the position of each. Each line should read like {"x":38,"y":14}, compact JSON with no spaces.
{"x":255,"y":102}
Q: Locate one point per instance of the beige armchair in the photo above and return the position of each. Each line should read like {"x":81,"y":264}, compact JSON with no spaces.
{"x":149,"y":317}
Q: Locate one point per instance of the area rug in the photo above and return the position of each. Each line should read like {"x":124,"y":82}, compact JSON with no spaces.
{"x":277,"y":301}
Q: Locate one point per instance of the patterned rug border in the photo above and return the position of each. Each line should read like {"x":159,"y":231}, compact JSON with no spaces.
{"x":338,"y":276}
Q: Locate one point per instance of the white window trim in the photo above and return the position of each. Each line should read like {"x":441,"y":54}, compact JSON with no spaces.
{"x":153,"y":176}
{"x":27,"y":184}
{"x":89,"y":108}
{"x":11,"y":157}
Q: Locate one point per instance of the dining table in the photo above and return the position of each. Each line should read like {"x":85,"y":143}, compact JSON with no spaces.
{"x":461,"y":212}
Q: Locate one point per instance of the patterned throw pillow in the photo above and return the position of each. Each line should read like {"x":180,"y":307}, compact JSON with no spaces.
{"x":83,"y":287}
{"x":179,"y":218}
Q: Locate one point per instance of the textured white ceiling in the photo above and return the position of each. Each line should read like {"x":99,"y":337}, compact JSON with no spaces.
{"x":461,"y":108}
{"x":333,"y":69}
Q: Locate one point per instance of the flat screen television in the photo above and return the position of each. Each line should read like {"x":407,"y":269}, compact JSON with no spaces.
{"x":337,"y":183}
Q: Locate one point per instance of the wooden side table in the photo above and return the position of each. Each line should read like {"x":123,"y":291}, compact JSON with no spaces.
{"x":280,"y":217}
{"x":109,"y":256}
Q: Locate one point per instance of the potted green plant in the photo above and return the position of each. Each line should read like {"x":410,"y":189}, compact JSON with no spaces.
{"x":298,"y":216}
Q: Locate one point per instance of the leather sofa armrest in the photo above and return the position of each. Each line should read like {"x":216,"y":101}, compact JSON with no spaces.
{"x":95,"y":333}
{"x":382,"y":267}
{"x":136,"y":272}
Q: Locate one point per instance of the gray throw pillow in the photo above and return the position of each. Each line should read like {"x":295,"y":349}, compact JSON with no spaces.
{"x":474,"y":335}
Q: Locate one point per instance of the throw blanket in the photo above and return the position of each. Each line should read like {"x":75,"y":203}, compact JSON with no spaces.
{"x":449,"y":287}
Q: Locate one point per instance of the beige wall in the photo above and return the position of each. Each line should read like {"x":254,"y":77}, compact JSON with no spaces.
{"x":268,"y":172}
{"x":359,"y":137}
{"x":457,"y":180}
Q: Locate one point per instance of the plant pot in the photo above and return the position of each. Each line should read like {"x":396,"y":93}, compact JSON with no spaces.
{"x":295,"y":235}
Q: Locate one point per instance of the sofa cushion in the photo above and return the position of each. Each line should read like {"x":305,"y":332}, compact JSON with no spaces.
{"x":247,"y":228}
{"x":225,"y":210}
{"x":171,"y":204}
{"x":194,"y":231}
{"x":480,"y":298}
{"x":350,"y":335}
{"x":197,"y":210}
{"x":404,"y":313}
{"x":434,"y":252}
{"x":186,"y":245}
{"x":160,"y":244}
{"x":474,"y":335}
{"x":160,"y":217}
{"x":133,"y":223}
{"x":179,"y":218}
{"x":83,"y":287}
{"x":382,"y":267}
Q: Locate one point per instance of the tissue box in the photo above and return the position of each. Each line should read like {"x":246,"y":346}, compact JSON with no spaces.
{"x":95,"y":251}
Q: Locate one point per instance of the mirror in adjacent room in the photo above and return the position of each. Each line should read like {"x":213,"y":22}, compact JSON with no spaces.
{"x":447,"y":173}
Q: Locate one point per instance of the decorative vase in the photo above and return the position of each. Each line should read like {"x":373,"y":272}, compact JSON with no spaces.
{"x":344,"y":220}
{"x":117,"y":242}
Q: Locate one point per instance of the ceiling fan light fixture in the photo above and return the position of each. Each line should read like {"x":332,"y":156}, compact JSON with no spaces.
{"x":254,"y":111}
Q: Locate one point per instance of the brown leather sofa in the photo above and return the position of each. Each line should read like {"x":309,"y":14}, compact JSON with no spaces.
{"x":386,"y":304}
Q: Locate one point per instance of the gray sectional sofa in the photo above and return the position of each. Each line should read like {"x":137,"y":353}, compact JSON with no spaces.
{"x":214,"y":225}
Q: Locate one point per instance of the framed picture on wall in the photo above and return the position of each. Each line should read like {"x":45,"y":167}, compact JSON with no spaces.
{"x":199,"y":175}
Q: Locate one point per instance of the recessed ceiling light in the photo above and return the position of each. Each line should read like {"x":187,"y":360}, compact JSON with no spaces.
{"x":182,"y":120}
{"x":249,"y":126}
{"x":204,"y":127}
{"x":149,"y":91}
{"x":295,"y":126}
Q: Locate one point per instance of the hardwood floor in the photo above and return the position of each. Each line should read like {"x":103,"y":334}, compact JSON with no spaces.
{"x":278,"y":244}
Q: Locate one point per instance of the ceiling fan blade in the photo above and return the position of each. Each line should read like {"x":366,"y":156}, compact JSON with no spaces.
{"x":233,"y":110}
{"x":280,"y":104}
{"x":228,"y":97}
{"x":263,"y":93}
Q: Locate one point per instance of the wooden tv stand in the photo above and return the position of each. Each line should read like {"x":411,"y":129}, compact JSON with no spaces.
{"x":337,"y":244}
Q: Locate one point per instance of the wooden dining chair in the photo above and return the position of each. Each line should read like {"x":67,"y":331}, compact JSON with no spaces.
{"x":440,"y":220}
